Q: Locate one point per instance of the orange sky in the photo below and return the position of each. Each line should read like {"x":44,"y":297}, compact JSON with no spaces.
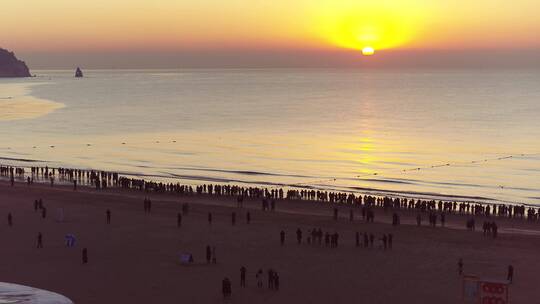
{"x":31,"y":26}
{"x":169,"y":24}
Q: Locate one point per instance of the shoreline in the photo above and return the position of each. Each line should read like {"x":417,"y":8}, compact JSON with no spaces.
{"x":111,"y":180}
{"x":305,"y":207}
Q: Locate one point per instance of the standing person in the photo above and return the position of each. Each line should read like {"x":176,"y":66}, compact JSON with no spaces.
{"x":108,"y":216}
{"x":85,"y":256}
{"x":248,"y":217}
{"x":276,"y":281}
{"x":208,"y":254}
{"x":357,"y":239}
{"x":299,"y":236}
{"x":282,"y":237}
{"x":226,"y":288}
{"x":209,"y":218}
{"x":270,"y":278}
{"x":74,"y":184}
{"x":40,"y":240}
{"x":43,"y":212}
{"x":10,"y":219}
{"x":179,"y":219}
{"x":229,"y":287}
{"x":258,"y":276}
{"x":243,"y":276}
{"x":460,"y":266}
{"x":510,"y":276}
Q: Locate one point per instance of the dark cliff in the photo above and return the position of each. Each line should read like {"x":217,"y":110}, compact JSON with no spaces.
{"x":10,"y":66}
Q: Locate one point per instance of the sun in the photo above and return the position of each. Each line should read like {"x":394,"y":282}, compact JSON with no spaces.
{"x":368,"y":51}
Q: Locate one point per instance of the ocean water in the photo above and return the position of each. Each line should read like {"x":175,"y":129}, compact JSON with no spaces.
{"x":453,"y":134}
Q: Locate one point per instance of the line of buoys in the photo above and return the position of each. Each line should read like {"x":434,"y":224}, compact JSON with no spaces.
{"x":416,"y":169}
{"x":451,"y":164}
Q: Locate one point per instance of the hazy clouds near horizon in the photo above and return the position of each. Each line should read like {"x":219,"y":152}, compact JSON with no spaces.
{"x":268,"y":59}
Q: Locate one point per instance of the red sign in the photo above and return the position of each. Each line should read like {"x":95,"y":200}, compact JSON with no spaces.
{"x":493,"y":293}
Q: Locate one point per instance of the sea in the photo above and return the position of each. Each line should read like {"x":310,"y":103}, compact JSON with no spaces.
{"x":450,"y":134}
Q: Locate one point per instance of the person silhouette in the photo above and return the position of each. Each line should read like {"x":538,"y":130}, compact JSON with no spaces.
{"x":510,"y":276}
{"x":108,"y":216}
{"x":299,"y":236}
{"x":179,"y":219}
{"x":40,"y":240}
{"x":10,"y":219}
{"x":270,"y":278}
{"x":258,"y":277}
{"x":208,"y":254}
{"x":243,"y":276}
{"x":226,"y":288}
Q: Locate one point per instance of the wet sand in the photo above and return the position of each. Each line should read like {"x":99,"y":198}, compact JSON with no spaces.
{"x":135,"y":259}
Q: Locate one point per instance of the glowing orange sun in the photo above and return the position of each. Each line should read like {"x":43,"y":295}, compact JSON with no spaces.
{"x":368,"y":51}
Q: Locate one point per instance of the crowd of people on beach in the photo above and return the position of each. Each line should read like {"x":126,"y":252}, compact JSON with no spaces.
{"x":315,"y":236}
{"x":103,"y":180}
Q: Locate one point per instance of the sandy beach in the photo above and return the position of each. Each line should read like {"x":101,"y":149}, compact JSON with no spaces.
{"x":135,"y":259}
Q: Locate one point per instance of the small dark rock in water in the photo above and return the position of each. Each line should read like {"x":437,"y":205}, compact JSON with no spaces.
{"x":10,"y":66}
{"x":78,"y":73}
